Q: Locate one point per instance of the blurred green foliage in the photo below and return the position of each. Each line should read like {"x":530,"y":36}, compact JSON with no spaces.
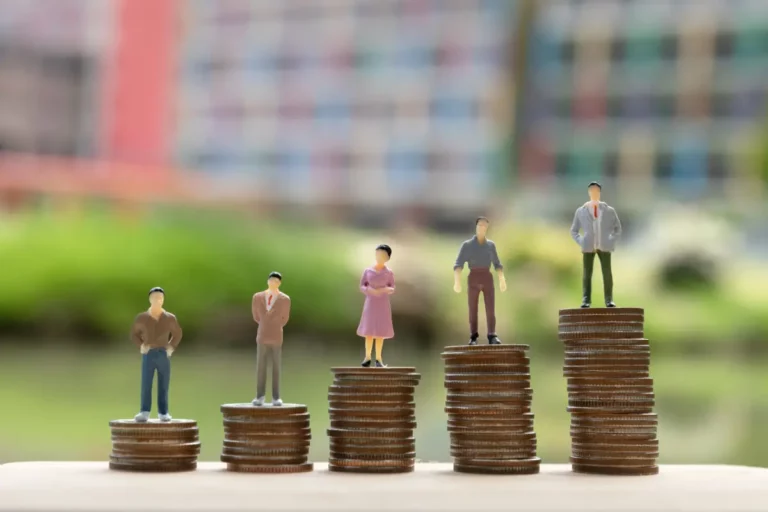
{"x":88,"y":276}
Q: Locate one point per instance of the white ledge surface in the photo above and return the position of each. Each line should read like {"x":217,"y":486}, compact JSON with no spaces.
{"x":92,"y":486}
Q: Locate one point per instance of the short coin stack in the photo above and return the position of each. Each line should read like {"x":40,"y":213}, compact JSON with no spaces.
{"x":610,"y":391}
{"x":489,"y":409}
{"x":154,"y":445}
{"x":266,"y":439}
{"x":372,"y":420}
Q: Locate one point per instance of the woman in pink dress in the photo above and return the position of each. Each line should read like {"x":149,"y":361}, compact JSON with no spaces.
{"x":377,"y":283}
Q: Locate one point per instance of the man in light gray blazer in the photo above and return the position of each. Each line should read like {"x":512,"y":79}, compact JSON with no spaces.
{"x":596,"y":228}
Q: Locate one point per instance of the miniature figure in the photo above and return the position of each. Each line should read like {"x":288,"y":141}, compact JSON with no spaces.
{"x":271,"y":309}
{"x":480,"y":252}
{"x":601,"y":227}
{"x":157,"y":334}
{"x":377,"y":283}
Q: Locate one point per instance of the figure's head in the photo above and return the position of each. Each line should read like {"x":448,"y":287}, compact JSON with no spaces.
{"x":383,"y":253}
{"x":594,"y":190}
{"x":481,"y":226}
{"x":274,"y":281}
{"x":156,"y":297}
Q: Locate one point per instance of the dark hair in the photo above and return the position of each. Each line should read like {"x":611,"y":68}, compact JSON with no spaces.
{"x":277,"y":275}
{"x":387,"y":249}
{"x":595,"y":184}
{"x":477,"y":220}
{"x":156,"y":289}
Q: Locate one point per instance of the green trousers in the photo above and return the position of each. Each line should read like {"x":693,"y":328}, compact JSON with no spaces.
{"x":605,"y":265}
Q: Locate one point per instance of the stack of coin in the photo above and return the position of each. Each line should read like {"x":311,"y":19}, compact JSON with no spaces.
{"x":266,"y":439}
{"x":154,"y":445}
{"x":489,"y":409}
{"x":610,"y":391}
{"x":372,"y":420}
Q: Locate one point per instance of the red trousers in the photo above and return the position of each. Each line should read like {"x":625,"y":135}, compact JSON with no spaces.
{"x":481,"y":280}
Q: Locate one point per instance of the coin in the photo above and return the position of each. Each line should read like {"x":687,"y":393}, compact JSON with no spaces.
{"x":372,"y":425}
{"x":483,"y":466}
{"x":354,"y":445}
{"x":372,"y":463}
{"x":267,"y":445}
{"x":375,"y":469}
{"x":263,"y":460}
{"x":486,"y":348}
{"x":248,"y":451}
{"x":165,"y":467}
{"x":383,"y":434}
{"x":607,"y":336}
{"x":266,"y":409}
{"x":487,"y":368}
{"x":651,"y":444}
{"x":616,"y":470}
{"x":399,"y":392}
{"x":287,"y":468}
{"x":356,"y":370}
{"x":601,"y":312}
{"x":154,"y":424}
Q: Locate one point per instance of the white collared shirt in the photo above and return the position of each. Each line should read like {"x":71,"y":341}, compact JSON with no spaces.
{"x":270,"y":303}
{"x":596,"y":221}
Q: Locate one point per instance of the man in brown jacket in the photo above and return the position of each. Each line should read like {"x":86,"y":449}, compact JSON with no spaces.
{"x":271,"y":309}
{"x":156,"y":333}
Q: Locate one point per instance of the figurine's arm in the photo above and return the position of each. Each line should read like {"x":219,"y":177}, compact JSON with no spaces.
{"x":616,"y":233}
{"x":499,"y":268}
{"x":391,"y":283}
{"x":367,"y":290}
{"x":286,"y":312}
{"x":458,"y":266}
{"x":175,"y":334}
{"x":255,"y":308}
{"x":575,"y":228}
{"x":137,"y":334}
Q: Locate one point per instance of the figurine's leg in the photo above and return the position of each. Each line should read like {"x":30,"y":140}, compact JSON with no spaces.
{"x":489,"y":298}
{"x":277,"y":353}
{"x":605,"y":266}
{"x":147,"y":375}
{"x":586,"y":285}
{"x":368,"y":350}
{"x":379,"y":342}
{"x":163,"y":363}
{"x":473,"y":296}
{"x":261,"y":371}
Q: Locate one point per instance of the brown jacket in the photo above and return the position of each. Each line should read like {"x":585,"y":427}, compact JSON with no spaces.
{"x":158,"y":333}
{"x":271,"y":323}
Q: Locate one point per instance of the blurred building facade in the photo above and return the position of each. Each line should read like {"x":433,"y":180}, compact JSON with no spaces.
{"x":393,"y":102}
{"x":654,"y":96}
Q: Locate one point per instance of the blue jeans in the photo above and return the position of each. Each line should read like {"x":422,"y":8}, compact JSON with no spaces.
{"x":155,"y":359}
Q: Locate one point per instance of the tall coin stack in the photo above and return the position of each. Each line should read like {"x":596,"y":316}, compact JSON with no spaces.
{"x":489,"y":409}
{"x":372,"y":415}
{"x":610,"y":391}
{"x":266,"y":439}
{"x":154,"y":446}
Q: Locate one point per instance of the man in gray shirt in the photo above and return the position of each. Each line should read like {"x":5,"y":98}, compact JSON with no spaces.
{"x":480,"y":253}
{"x":596,"y":228}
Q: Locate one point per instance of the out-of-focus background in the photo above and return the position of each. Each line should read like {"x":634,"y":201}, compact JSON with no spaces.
{"x":198,"y":145}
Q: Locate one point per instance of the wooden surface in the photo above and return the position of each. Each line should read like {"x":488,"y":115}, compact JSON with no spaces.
{"x":91,"y":486}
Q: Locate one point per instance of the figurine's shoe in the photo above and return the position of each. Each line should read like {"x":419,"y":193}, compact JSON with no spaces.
{"x":366,"y":363}
{"x":142,"y":417}
{"x":473,"y":339}
{"x":493,"y":340}
{"x":379,"y":364}
{"x":258,"y":401}
{"x":585,"y":304}
{"x":164,"y":417}
{"x":610,"y":304}
{"x":277,"y":402}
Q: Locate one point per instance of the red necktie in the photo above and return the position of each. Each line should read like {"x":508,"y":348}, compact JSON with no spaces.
{"x":595,"y":211}
{"x":269,"y":300}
